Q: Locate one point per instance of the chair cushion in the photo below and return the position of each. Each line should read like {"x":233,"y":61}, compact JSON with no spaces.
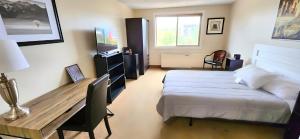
{"x":212,"y":62}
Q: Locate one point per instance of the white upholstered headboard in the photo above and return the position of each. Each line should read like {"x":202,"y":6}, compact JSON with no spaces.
{"x":282,"y":60}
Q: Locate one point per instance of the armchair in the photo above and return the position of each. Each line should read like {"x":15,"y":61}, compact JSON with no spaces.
{"x":217,"y":61}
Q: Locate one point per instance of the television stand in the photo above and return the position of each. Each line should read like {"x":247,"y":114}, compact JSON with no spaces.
{"x":112,"y":64}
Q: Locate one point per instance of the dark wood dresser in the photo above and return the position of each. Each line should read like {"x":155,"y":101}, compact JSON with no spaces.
{"x":293,"y":127}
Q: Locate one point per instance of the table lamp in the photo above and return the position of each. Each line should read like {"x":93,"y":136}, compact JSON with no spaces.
{"x":11,"y":59}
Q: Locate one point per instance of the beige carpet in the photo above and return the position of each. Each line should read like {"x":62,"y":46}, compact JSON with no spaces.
{"x":136,"y":118}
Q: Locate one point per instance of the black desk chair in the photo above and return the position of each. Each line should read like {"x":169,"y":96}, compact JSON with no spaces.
{"x":217,"y":60}
{"x":90,"y":116}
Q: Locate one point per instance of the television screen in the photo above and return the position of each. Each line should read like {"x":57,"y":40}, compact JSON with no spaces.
{"x":100,"y":36}
{"x":105,"y":41}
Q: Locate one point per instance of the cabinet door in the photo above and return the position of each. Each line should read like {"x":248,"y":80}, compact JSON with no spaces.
{"x":145,"y":43}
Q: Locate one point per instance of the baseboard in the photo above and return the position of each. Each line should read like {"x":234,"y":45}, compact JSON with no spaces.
{"x":155,"y":66}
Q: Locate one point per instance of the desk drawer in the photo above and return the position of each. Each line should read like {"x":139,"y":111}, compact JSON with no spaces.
{"x":51,"y":127}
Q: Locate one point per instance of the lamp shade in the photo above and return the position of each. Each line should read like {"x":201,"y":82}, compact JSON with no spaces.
{"x":11,"y":57}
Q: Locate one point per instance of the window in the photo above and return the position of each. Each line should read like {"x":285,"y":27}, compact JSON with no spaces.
{"x":178,"y":30}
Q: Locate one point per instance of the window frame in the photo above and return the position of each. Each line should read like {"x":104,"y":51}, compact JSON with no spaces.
{"x":177,"y":16}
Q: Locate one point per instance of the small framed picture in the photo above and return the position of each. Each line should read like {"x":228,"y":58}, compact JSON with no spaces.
{"x":75,"y":73}
{"x":215,"y":26}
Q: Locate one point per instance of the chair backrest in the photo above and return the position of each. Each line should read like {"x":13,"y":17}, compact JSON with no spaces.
{"x":219,"y":56}
{"x":96,"y":101}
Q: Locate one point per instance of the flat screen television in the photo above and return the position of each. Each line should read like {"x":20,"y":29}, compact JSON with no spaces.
{"x":105,"y":42}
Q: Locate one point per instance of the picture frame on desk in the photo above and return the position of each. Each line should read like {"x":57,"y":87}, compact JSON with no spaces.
{"x":75,"y":73}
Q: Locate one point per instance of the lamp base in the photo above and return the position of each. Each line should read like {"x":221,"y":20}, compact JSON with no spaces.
{"x":15,"y":113}
{"x":9,"y":92}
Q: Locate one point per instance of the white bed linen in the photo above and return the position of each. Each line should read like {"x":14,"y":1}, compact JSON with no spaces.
{"x":214,"y":94}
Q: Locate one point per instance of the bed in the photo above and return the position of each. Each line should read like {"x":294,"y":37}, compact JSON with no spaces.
{"x":214,"y":94}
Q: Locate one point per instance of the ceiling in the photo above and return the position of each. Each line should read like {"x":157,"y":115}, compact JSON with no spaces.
{"x":148,"y":4}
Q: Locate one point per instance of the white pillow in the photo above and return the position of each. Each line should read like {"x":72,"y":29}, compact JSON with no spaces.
{"x":253,"y":76}
{"x":245,"y":68}
{"x":283,"y":88}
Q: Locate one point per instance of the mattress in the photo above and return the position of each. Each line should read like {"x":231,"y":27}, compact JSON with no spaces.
{"x":214,"y":94}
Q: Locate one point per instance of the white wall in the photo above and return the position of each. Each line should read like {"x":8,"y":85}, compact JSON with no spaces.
{"x":78,"y":19}
{"x":252,"y":21}
{"x":209,"y":43}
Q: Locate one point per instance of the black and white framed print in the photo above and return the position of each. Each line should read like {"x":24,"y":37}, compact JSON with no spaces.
{"x":75,"y":73}
{"x":215,"y":26}
{"x":30,"y":22}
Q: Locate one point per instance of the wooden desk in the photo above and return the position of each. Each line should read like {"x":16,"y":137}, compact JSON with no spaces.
{"x":48,"y":112}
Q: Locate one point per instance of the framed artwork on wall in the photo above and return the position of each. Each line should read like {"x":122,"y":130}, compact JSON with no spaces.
{"x":30,"y":22}
{"x":75,"y":73}
{"x":287,"y":24}
{"x":215,"y":26}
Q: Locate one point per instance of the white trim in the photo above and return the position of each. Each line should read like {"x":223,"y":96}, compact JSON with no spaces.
{"x":179,"y":13}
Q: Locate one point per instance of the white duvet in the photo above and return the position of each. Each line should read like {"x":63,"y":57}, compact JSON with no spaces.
{"x":214,"y":94}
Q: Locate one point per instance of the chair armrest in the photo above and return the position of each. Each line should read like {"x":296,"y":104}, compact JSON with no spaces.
{"x":208,"y":56}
